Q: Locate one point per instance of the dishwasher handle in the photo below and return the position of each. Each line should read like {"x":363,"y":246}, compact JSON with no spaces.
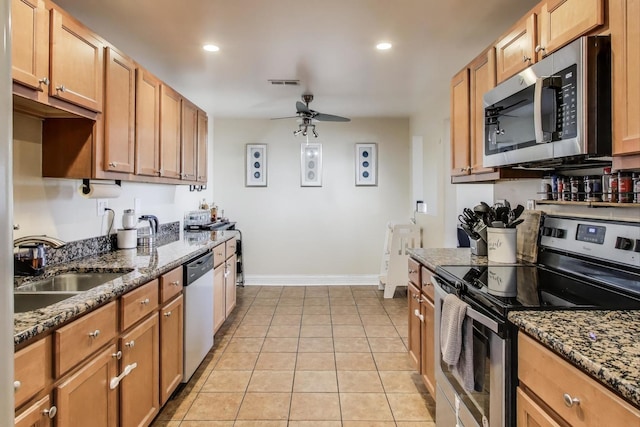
{"x":197,"y":268}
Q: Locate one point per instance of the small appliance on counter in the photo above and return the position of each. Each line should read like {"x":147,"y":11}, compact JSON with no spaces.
{"x":29,"y":259}
{"x":147,"y":235}
{"x":127,"y":236}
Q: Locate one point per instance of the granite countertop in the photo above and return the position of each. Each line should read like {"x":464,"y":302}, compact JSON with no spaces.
{"x":433,"y":257}
{"x":604,"y":344}
{"x":141,"y":265}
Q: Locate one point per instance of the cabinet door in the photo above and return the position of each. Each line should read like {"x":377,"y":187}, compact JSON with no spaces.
{"x":76,"y":63}
{"x":119,"y":113}
{"x":515,"y":51}
{"x":625,"y":44}
{"x":40,"y":414}
{"x":171,"y":347}
{"x":530,"y":414}
{"x":201,"y":167}
{"x":169,"y":132}
{"x":85,"y":398}
{"x":189,"y":140}
{"x":483,"y":79}
{"x":139,"y":399}
{"x":460,"y":162}
{"x":413,"y":295}
{"x":30,"y":43}
{"x":562,"y":21}
{"x":32,"y":367}
{"x":230,"y":285}
{"x":147,"y":124}
{"x":427,"y":351}
{"x":219,"y":312}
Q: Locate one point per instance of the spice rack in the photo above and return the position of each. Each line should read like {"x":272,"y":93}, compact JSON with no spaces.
{"x":588,"y":204}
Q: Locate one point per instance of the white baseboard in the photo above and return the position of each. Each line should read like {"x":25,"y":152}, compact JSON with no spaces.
{"x":309,"y":280}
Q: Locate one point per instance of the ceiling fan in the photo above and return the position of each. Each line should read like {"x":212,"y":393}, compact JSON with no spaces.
{"x":308,"y":115}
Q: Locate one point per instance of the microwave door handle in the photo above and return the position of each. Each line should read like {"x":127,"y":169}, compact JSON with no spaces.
{"x":537,"y":112}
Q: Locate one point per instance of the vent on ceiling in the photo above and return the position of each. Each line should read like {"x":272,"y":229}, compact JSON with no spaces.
{"x":285,"y":82}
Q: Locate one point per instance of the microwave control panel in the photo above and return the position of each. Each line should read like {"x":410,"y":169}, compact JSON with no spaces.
{"x":566,"y":120}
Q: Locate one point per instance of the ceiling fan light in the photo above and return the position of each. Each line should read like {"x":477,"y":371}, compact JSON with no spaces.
{"x":315,"y":134}
{"x":211,"y":48}
{"x":384,"y":46}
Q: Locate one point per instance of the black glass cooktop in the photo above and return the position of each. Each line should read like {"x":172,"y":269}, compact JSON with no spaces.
{"x":501,"y":288}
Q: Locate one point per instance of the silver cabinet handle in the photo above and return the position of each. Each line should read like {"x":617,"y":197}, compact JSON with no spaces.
{"x":570,"y":401}
{"x":175,"y":283}
{"x":116,"y":380}
{"x":117,"y":355}
{"x":130,"y":344}
{"x":540,"y":48}
{"x":525,"y":58}
{"x":412,"y":271}
{"x":167,"y":314}
{"x":51,"y":412}
{"x":42,"y":81}
{"x":16,"y":385}
{"x":95,"y":333}
{"x":113,"y":164}
{"x":61,"y":88}
{"x":145,"y":301}
{"x":418,"y":315}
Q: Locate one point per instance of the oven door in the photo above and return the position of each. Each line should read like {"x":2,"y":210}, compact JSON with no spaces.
{"x":489,"y":404}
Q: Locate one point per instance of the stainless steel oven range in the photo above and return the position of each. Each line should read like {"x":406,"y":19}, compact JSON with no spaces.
{"x":582,"y":264}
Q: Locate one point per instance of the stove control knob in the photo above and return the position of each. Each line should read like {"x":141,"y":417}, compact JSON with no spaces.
{"x":546,"y":231}
{"x":558,"y":232}
{"x":637,"y":249}
{"x":624,"y":243}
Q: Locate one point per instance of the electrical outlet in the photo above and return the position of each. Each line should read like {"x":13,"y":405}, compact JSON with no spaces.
{"x":101,"y":205}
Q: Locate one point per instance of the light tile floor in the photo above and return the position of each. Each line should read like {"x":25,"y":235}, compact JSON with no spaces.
{"x":317,"y":356}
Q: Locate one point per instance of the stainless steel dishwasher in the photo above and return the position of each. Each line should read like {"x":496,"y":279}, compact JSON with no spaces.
{"x":198,"y":312}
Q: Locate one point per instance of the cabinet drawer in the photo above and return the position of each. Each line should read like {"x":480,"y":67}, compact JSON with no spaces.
{"x":553,"y":379}
{"x":219,"y":253}
{"x":426,"y":278}
{"x":138,"y":303}
{"x":230,"y":246}
{"x":171,"y":284}
{"x":82,"y":337}
{"x":414,"y":272}
{"x":31,"y":365}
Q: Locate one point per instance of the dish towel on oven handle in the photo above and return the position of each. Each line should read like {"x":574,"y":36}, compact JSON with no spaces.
{"x":456,"y":339}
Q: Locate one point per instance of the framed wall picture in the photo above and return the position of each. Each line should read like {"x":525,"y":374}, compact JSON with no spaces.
{"x":366,"y":164}
{"x":256,"y":165}
{"x":310,"y":164}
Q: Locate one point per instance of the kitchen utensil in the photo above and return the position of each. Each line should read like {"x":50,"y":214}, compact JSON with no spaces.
{"x":515,"y":223}
{"x":517,"y":212}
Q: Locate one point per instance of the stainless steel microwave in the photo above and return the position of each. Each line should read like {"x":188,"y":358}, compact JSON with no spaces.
{"x":556,"y":112}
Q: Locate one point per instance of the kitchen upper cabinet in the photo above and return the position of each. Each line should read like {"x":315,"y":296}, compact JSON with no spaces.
{"x":30,"y":44}
{"x":189,"y":141}
{"x":139,"y":391}
{"x":171,"y":347}
{"x":515,"y":51}
{"x":147,"y":123}
{"x":40,"y":414}
{"x":85,"y":398}
{"x":625,"y":45}
{"x":170,"y":117}
{"x":562,"y":21}
{"x":460,"y":135}
{"x":201,"y":167}
{"x":76,"y":63}
{"x":119,"y":112}
{"x":482,"y":79}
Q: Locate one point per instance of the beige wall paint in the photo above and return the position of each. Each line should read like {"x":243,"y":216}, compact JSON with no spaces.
{"x":54,"y":206}
{"x":334,"y":230}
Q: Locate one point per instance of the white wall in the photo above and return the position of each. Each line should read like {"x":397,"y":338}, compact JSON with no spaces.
{"x":54,"y":206}
{"x":308,"y":233}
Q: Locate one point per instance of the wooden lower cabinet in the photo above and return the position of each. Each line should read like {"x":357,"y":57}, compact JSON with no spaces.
{"x":85,"y":398}
{"x":427,"y":354}
{"x":530,"y":414}
{"x":219,"y":311}
{"x":230,"y":285}
{"x":171,"y":347}
{"x":139,"y":397}
{"x":413,"y":295}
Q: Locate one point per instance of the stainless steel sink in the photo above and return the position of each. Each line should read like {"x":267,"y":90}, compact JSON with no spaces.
{"x":29,"y":301}
{"x":71,"y":282}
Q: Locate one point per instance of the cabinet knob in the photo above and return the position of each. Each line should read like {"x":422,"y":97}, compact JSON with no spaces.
{"x":113,"y":164}
{"x":540,"y":48}
{"x":570,"y":401}
{"x":16,"y":385}
{"x":525,"y":58}
{"x":117,"y":355}
{"x":51,"y":412}
{"x":95,"y":333}
{"x":175,"y":283}
{"x":418,"y":315}
{"x":167,"y":314}
{"x":145,"y":301}
{"x":43,"y":81}
{"x":130,"y":344}
{"x":61,"y":88}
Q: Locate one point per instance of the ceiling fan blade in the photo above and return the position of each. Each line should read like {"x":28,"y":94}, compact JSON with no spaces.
{"x":287,"y":117}
{"x":330,"y":118}
{"x":301,"y":108}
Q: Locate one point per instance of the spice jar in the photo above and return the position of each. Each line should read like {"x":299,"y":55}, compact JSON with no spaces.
{"x":625,"y":192}
{"x":592,"y":188}
{"x":545,"y":188}
{"x":566,"y":189}
{"x":636,"y":187}
{"x":577,"y":189}
{"x":613,"y":188}
{"x":559,"y":188}
{"x":606,"y":190}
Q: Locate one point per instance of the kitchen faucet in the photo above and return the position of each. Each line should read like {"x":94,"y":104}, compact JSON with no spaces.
{"x":43,"y":239}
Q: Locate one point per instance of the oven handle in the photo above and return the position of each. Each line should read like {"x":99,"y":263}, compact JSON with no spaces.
{"x":475,"y":315}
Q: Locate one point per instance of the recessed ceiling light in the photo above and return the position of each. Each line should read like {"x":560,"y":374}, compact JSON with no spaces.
{"x":383,"y":46}
{"x":211,"y":48}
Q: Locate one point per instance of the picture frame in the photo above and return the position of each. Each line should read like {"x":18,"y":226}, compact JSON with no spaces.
{"x":256,"y":165}
{"x":366,"y":164}
{"x":310,"y":164}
